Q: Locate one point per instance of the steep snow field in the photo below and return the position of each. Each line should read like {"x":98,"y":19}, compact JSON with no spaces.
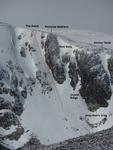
{"x":52,"y":116}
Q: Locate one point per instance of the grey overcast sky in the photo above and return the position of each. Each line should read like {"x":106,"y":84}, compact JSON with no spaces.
{"x":96,"y":15}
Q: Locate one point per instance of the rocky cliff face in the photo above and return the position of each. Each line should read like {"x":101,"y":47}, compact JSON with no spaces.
{"x":73,"y":74}
{"x":95,"y":82}
{"x":3,"y":147}
{"x":52,"y":56}
{"x":110,"y":68}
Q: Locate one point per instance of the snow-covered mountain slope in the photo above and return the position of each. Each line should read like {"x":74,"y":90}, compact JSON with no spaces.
{"x":53,"y":86}
{"x":102,"y":140}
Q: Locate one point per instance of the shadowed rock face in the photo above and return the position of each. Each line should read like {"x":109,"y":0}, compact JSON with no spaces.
{"x":52,"y":51}
{"x":8,"y":119}
{"x":5,"y":104}
{"x":59,"y":73}
{"x":3,"y":147}
{"x":95,"y":84}
{"x":110,"y":68}
{"x":73,"y":74}
{"x":22,"y":52}
{"x":52,"y":57}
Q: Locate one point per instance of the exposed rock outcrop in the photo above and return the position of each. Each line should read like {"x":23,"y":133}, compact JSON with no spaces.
{"x":16,"y":134}
{"x":5,"y":104}
{"x":8,"y":118}
{"x":59,"y":72}
{"x":32,"y":144}
{"x":18,"y":105}
{"x":73,"y":74}
{"x":95,"y":84}
{"x":22,"y":52}
{"x":52,"y":57}
{"x":110,"y":68}
{"x":2,"y":147}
